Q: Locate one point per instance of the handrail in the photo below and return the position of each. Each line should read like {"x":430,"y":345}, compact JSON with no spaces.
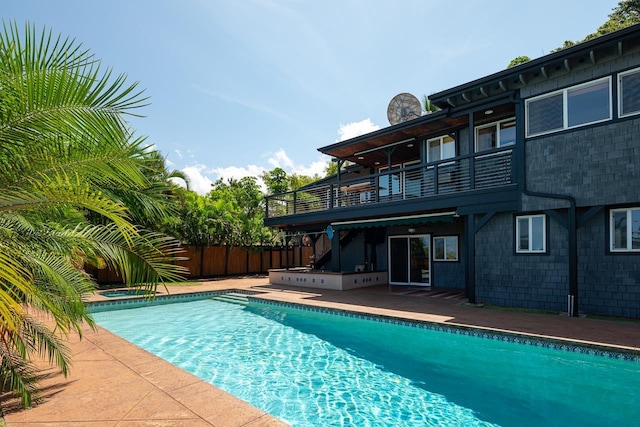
{"x":492,"y":168}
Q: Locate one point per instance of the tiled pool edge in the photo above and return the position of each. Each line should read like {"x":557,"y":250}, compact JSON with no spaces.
{"x":508,"y":336}
{"x":594,"y":349}
{"x":135,"y":302}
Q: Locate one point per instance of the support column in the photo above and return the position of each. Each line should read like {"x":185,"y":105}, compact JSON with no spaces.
{"x":470,"y":261}
{"x":335,"y":252}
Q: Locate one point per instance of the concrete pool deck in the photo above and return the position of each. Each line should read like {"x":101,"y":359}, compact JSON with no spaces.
{"x":114,"y":383}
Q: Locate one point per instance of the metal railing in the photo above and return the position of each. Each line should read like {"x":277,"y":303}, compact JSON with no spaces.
{"x":464,"y":173}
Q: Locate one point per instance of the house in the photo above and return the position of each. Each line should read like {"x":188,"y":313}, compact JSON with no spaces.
{"x":523,"y":189}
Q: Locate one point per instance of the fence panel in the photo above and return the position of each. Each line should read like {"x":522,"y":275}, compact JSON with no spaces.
{"x":214,"y":261}
{"x":210,"y":261}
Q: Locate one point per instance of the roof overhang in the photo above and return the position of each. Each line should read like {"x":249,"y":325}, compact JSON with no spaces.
{"x":580,"y":56}
{"x":368,"y":150}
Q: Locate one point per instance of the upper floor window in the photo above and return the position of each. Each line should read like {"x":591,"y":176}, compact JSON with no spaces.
{"x":531,"y":234}
{"x":495,"y":135}
{"x":443,"y":147}
{"x":571,"y":107}
{"x":629,"y":93}
{"x":625,"y":230}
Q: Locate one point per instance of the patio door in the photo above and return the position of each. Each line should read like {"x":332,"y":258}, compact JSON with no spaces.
{"x":410,"y":260}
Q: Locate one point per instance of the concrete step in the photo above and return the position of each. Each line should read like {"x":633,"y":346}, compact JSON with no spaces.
{"x":233,"y":298}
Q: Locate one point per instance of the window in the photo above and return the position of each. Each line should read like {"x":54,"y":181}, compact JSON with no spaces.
{"x":495,"y":135}
{"x":575,"y":106}
{"x":445,"y":248}
{"x":531,"y":234}
{"x":625,"y":230}
{"x":629,"y":93}
{"x":392,"y":180}
{"x":441,"y":148}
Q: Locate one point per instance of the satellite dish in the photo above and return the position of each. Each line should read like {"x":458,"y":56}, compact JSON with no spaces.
{"x":403,"y":107}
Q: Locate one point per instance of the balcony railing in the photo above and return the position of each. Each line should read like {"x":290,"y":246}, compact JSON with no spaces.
{"x":464,"y":173}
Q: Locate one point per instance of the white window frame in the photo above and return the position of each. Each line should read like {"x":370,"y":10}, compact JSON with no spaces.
{"x":440,"y":139}
{"x":496,"y":126}
{"x":529,"y":218}
{"x":620,"y":88}
{"x":445,"y":259}
{"x":629,"y":212}
{"x":565,"y":107}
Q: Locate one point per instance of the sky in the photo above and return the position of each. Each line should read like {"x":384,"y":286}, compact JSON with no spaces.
{"x":240,"y":87}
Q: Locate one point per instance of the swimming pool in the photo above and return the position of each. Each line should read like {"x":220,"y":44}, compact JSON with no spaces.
{"x":311,"y":367}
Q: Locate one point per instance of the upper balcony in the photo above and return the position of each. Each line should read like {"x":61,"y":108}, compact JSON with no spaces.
{"x":450,"y":180}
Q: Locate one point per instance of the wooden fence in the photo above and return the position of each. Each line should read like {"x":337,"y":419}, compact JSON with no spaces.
{"x":212,"y":261}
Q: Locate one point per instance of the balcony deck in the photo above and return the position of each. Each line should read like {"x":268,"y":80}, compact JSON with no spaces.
{"x":451,"y":177}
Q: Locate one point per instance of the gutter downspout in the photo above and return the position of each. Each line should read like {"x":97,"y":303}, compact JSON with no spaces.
{"x":571,"y":220}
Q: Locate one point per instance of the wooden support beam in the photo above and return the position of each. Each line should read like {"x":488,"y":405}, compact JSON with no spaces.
{"x":451,"y":102}
{"x":620,"y":51}
{"x":483,"y":92}
{"x":502,"y":85}
{"x":543,"y":71}
{"x":592,"y":57}
{"x":466,"y":97}
{"x":567,"y":65}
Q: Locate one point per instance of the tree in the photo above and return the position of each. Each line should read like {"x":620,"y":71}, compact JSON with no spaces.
{"x":627,"y":13}
{"x":73,"y":181}
{"x":241,"y":204}
{"x":331,"y":169}
{"x":518,"y":60}
{"x":276,"y":181}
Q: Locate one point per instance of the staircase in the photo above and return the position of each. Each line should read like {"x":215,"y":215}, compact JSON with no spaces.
{"x":233,"y":298}
{"x":323,"y":247}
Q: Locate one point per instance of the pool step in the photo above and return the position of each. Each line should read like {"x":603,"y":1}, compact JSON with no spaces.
{"x":232,"y":298}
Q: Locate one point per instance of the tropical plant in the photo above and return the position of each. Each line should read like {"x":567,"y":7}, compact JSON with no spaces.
{"x":428,"y":106}
{"x":518,"y":60}
{"x":73,"y":185}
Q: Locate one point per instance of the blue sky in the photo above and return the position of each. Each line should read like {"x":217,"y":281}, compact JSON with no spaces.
{"x":238,"y":87}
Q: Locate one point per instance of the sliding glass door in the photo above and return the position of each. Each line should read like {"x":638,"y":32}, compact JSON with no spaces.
{"x":410,"y":260}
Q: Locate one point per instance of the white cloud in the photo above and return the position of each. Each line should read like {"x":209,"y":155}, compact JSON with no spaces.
{"x":198,"y":182}
{"x":315,"y":168}
{"x":351,"y":130}
{"x":201,"y":177}
{"x":281,"y":160}
{"x":237,"y":172}
{"x":178,"y":153}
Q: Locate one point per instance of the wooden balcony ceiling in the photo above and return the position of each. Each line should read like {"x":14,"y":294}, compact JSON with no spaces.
{"x":373,"y":144}
{"x":371,"y":150}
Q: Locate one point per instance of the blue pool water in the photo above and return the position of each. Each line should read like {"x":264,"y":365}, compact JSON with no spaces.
{"x":312,"y":368}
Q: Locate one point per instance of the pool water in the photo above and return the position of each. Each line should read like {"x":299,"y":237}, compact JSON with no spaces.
{"x":312,"y":368}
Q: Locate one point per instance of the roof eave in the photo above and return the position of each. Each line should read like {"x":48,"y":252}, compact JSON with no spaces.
{"x":444,"y":98}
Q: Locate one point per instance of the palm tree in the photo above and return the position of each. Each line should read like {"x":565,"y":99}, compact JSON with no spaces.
{"x":70,"y":172}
